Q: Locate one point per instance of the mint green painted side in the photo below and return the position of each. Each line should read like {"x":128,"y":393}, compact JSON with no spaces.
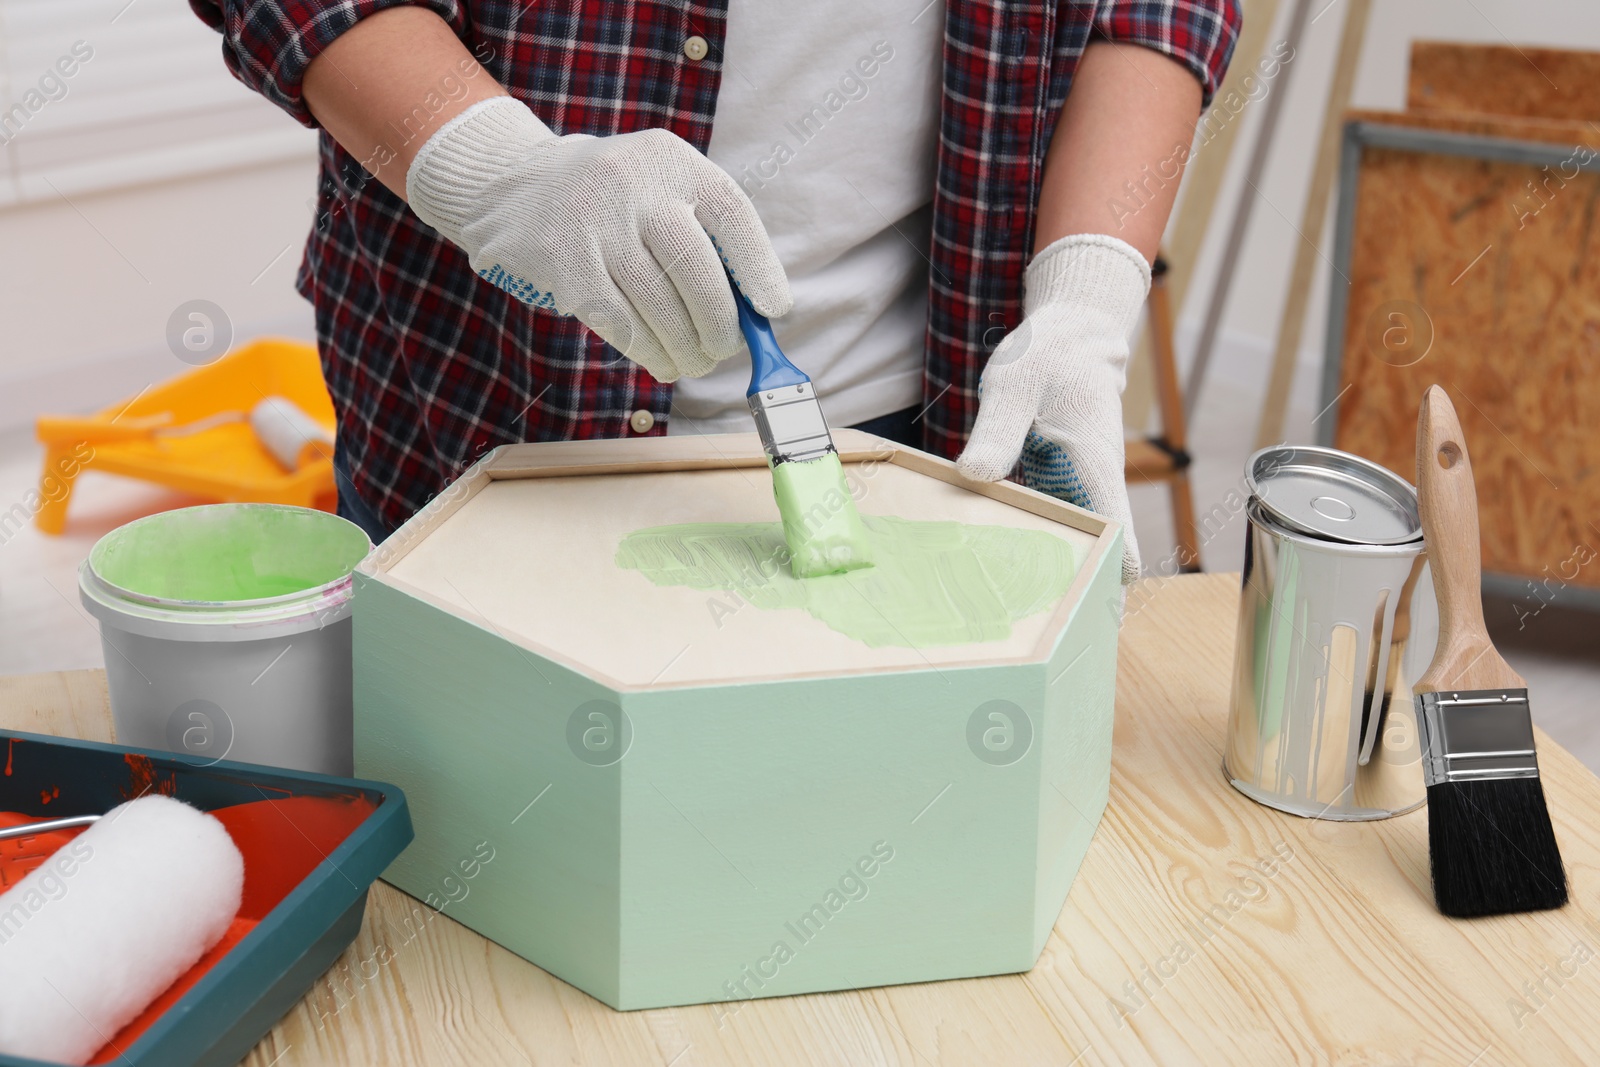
{"x":674,"y":874}
{"x":473,"y":728}
{"x":746,"y":805}
{"x":1079,"y":699}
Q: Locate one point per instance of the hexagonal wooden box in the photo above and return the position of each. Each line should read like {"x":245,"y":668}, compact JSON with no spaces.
{"x":665,"y":795}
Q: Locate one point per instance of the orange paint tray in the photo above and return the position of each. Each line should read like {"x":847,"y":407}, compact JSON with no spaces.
{"x":222,"y":461}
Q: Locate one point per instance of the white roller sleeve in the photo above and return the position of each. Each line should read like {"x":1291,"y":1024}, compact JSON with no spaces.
{"x":293,"y":437}
{"x":108,"y":922}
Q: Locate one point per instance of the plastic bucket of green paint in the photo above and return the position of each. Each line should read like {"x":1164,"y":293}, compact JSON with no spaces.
{"x":226,"y":631}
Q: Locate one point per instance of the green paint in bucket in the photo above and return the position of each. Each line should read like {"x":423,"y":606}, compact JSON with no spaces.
{"x":227,"y":631}
{"x":228,"y":552}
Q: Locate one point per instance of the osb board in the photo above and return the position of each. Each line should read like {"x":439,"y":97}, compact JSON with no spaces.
{"x":1549,"y":83}
{"x":1509,"y":288}
{"x":534,"y":557}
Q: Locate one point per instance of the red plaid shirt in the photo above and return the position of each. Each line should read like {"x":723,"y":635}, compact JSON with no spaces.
{"x":430,"y":366}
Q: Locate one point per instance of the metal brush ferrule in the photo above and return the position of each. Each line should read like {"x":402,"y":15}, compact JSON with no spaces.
{"x":790,"y":421}
{"x":1476,"y":735}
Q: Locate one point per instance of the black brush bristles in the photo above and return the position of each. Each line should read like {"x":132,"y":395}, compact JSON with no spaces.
{"x":1492,"y":848}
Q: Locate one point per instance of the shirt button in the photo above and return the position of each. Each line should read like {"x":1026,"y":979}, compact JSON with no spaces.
{"x":696,"y":48}
{"x":642,"y":421}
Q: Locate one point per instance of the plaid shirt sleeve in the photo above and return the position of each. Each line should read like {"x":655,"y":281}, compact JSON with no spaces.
{"x":1200,"y":34}
{"x":268,"y":44}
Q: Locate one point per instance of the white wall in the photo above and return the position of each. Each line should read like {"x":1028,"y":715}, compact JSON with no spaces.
{"x":89,"y":285}
{"x":148,"y":178}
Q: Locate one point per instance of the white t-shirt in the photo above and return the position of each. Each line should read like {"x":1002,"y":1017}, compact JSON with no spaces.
{"x":828,"y":118}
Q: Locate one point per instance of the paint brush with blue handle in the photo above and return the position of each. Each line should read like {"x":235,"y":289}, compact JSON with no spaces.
{"x":820,"y":522}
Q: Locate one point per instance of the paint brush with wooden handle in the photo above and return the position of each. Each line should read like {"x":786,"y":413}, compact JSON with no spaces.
{"x":1491,"y":843}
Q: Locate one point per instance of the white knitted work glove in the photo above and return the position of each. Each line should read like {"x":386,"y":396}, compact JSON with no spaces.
{"x":611,"y":230}
{"x":1052,"y":391}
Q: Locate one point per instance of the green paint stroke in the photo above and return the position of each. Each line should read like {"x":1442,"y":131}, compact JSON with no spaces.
{"x":934,"y":583}
{"x":820,"y":521}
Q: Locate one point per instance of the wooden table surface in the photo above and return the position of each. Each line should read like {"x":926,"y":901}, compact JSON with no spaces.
{"x":1203,"y":928}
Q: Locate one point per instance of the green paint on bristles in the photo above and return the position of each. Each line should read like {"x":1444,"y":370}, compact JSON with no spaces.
{"x":820,"y":522}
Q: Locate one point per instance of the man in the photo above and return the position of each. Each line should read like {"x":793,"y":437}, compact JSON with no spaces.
{"x":541,"y":256}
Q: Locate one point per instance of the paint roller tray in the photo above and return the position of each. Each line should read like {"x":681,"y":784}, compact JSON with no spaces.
{"x":312,"y":845}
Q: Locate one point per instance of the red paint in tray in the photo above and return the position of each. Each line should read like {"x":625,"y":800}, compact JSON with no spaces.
{"x":282,"y":841}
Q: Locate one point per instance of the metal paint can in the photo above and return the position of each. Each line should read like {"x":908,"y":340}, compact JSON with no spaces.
{"x":1337,"y":618}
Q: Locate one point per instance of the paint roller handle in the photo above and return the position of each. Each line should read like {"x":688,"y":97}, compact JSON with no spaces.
{"x":92,"y":430}
{"x":769,"y":367}
{"x":45,"y":826}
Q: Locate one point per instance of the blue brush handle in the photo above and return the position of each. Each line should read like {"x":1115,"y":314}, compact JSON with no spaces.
{"x":769,"y":367}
